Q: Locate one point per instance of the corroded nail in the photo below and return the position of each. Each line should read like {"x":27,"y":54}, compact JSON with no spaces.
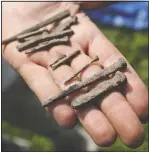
{"x":45,"y":37}
{"x":21,"y":38}
{"x":59,"y":58}
{"x":82,"y":69}
{"x":36,"y":36}
{"x":54,"y":18}
{"x":48,"y":44}
{"x":100,"y":91}
{"x":65,"y":60}
{"x":119,"y":65}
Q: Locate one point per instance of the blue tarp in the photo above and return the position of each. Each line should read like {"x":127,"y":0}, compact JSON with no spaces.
{"x":123,"y":14}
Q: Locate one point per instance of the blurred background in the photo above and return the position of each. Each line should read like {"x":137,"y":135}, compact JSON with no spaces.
{"x":26,"y":126}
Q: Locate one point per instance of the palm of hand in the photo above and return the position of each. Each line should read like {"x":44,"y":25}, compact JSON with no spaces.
{"x":117,"y":114}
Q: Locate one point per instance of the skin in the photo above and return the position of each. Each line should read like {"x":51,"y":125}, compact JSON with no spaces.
{"x":117,"y":115}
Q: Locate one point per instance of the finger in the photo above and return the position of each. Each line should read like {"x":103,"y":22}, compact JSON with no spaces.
{"x":136,"y":93}
{"x":115,"y":106}
{"x":102,"y":133}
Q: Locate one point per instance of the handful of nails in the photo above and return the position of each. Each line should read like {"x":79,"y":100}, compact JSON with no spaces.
{"x":38,"y":38}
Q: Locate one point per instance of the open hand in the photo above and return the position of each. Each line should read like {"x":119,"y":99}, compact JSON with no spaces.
{"x":117,"y":114}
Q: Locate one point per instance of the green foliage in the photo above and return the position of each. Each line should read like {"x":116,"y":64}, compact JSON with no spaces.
{"x":41,"y":144}
{"x":134,"y":46}
{"x":38,"y":143}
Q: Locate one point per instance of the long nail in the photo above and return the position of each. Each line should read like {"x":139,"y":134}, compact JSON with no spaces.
{"x":46,"y":45}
